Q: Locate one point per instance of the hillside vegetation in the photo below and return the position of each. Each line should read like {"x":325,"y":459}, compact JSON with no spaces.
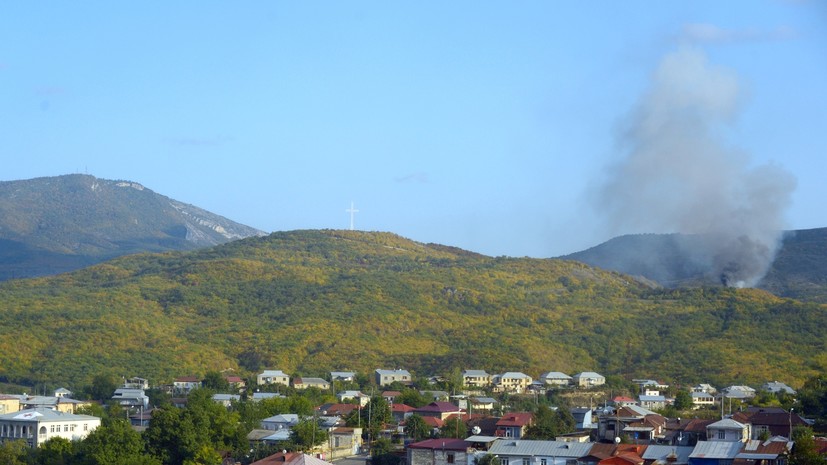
{"x":312,"y":301}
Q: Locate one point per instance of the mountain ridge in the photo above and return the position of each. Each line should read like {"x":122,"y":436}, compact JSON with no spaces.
{"x":50,"y":225}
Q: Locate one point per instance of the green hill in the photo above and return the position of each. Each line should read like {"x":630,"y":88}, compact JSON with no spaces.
{"x":57,"y":224}
{"x":314,"y":301}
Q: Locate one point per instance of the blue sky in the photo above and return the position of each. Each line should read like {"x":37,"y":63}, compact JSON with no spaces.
{"x":487,"y":126}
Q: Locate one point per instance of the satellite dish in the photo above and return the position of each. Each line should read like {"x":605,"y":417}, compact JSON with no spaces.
{"x":476,"y":430}
{"x":617,"y":439}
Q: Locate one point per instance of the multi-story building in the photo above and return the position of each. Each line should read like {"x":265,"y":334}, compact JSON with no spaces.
{"x":386,"y":377}
{"x":36,"y":426}
{"x":273,"y":377}
{"x":479,"y":379}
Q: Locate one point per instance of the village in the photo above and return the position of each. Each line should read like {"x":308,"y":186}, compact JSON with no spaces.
{"x":494,"y":419}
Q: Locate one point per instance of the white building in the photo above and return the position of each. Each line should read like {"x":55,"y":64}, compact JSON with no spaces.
{"x":386,"y":377}
{"x":555,"y":378}
{"x":588,"y":379}
{"x":476,"y":379}
{"x":36,"y":426}
{"x":273,"y":377}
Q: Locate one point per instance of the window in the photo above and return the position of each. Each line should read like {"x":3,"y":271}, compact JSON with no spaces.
{"x":65,"y":428}
{"x":52,"y":429}
{"x":526,"y":461}
{"x":85,"y":427}
{"x":503,"y":461}
{"x":450,"y":457}
{"x":721,"y":434}
{"x":542,"y":461}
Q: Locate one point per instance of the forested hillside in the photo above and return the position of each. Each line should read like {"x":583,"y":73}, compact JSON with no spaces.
{"x":312,"y":301}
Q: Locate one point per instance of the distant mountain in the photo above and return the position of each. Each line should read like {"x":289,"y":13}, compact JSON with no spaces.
{"x":673,"y":260}
{"x":57,"y":224}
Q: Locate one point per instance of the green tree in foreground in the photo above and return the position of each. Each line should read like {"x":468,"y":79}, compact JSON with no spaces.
{"x":804,"y":451}
{"x":416,"y":428}
{"x":307,"y":434}
{"x":548,"y":424}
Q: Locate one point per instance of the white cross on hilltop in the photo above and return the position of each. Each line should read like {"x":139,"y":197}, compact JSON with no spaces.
{"x":351,"y":210}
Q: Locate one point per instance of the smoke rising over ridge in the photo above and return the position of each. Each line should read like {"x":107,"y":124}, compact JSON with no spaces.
{"x":678,"y":175}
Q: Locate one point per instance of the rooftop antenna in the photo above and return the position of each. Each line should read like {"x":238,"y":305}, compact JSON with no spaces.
{"x":351,"y":210}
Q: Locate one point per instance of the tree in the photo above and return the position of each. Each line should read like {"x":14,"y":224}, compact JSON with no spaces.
{"x":102,"y":388}
{"x":56,"y":451}
{"x":411,"y":398}
{"x":454,"y":427}
{"x":215,"y":381}
{"x":804,"y":451}
{"x":114,"y":443}
{"x":307,"y":434}
{"x":487,"y":459}
{"x":548,"y":424}
{"x":14,"y":452}
{"x":683,"y":400}
{"x":416,"y":428}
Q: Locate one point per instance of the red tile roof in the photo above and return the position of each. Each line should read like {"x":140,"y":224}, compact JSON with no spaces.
{"x":515,"y":419}
{"x":442,"y":443}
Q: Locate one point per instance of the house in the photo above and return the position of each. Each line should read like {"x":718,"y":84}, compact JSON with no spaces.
{"x":714,"y":452}
{"x":622,"y":401}
{"x":344,"y":442}
{"x":136,"y":383}
{"x":703,"y":387}
{"x":443,"y":451}
{"x":259,"y":396}
{"x":511,"y":381}
{"x":663,"y":455}
{"x":613,"y":425}
{"x":776,"y":386}
{"x":272,"y":377}
{"x":555,"y":378}
{"x":738,"y":392}
{"x":284,"y":421}
{"x":625,"y":454}
{"x":478,"y":379}
{"x":185,"y":384}
{"x":36,"y":426}
{"x":226,"y":399}
{"x":513,"y":425}
{"x":236,"y":382}
{"x":769,"y":421}
{"x":401,"y":412}
{"x":304,"y":383}
{"x":652,"y":402}
{"x":131,"y":397}
{"x":687,"y":432}
{"x":588,"y":379}
{"x":386,"y":377}
{"x":526,"y":452}
{"x":771,"y":452}
{"x":289,"y":458}
{"x":61,"y":404}
{"x":702,"y":399}
{"x":441,"y":410}
{"x":341,"y":410}
{"x":344,"y":376}
{"x":728,"y":430}
{"x":435,"y":395}
{"x":582,"y":418}
{"x":361,"y":399}
{"x":9,"y":403}
{"x":390,"y":396}
{"x":63,"y":392}
{"x":645,"y":384}
{"x":482,"y":404}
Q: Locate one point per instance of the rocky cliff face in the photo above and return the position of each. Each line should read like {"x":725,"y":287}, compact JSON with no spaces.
{"x":56,"y":224}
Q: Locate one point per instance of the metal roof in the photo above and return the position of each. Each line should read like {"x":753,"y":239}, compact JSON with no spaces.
{"x":716,"y":450}
{"x":524,"y":447}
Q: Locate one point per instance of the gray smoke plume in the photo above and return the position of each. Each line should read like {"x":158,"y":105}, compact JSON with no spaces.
{"x":678,"y":175}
